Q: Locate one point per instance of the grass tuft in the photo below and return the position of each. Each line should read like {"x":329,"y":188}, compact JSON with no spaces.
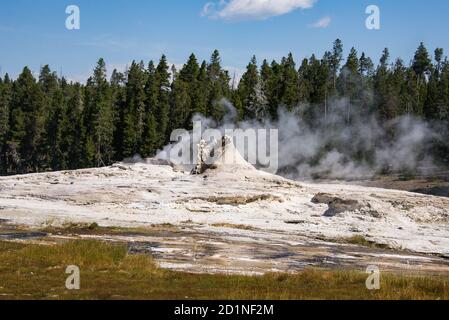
{"x":362,"y":241}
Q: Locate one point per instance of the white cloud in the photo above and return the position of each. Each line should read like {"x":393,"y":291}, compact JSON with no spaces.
{"x":253,"y":9}
{"x":207,"y":9}
{"x":322,"y":23}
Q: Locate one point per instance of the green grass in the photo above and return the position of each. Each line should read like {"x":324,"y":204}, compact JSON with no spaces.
{"x":30,"y":271}
{"x":362,"y":241}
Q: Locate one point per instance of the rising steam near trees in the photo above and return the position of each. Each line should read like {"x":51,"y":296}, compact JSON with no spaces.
{"x":337,"y":117}
{"x":331,"y":147}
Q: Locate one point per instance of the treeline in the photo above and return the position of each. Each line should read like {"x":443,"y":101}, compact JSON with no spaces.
{"x":50,"y":124}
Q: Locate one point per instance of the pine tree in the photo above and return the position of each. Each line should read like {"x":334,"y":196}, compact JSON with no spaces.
{"x":189,"y":79}
{"x":162,"y":107}
{"x":366,"y":75}
{"x":5,"y":97}
{"x":336,"y":58}
{"x":381,"y":87}
{"x":319,"y":73}
{"x":49,"y":83}
{"x":352,"y":63}
{"x":349,"y":81}
{"x":149,"y":136}
{"x":201,"y":94}
{"x":421,"y":65}
{"x":329,"y":87}
{"x":54,"y":131}
{"x":304,"y":82}
{"x":118,"y":94}
{"x":214,"y":67}
{"x":48,"y":80}
{"x":274,"y":87}
{"x":71,"y":143}
{"x":98,"y":119}
{"x":366,"y":66}
{"x":398,"y":87}
{"x":218,"y":87}
{"x":434,"y":105}
{"x":290,"y":83}
{"x":134,"y":111}
{"x":421,"y":62}
{"x":444,"y":91}
{"x":411,"y":92}
{"x":27,"y":124}
{"x":180,"y":110}
{"x":251,"y":93}
{"x":431,"y":105}
{"x":190,"y":71}
{"x":439,"y":60}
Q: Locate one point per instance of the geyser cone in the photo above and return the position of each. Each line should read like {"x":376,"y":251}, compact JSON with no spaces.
{"x":220,"y":156}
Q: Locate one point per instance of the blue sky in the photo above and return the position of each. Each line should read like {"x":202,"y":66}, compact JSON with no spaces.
{"x":33,"y":33}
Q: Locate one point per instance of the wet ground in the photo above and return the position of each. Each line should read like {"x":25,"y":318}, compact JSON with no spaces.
{"x":257,"y":252}
{"x":198,"y":249}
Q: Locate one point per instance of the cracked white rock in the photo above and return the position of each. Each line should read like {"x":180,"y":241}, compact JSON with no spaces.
{"x":154,"y":193}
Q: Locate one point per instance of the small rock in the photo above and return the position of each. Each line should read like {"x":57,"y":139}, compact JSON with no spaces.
{"x":336,"y":205}
{"x":323,"y":198}
{"x":294,"y":222}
